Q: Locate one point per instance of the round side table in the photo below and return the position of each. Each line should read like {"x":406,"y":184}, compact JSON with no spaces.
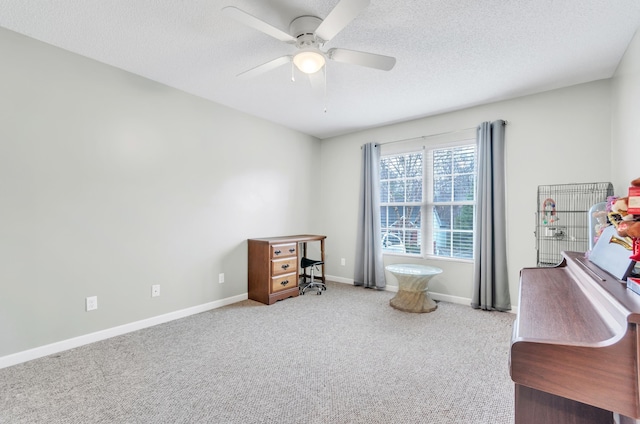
{"x":413,"y":281}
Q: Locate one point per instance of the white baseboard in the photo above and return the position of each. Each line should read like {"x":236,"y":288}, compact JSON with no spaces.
{"x":339,"y":279}
{"x":50,"y":349}
{"x":435,"y":296}
{"x":451,"y":299}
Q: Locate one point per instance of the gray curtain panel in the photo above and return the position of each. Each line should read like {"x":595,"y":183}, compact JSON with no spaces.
{"x":490,"y":281}
{"x":369,"y":266}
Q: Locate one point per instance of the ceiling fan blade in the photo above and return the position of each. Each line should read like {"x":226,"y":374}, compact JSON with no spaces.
{"x":370,"y":60}
{"x":265,"y":67}
{"x":339,"y":17}
{"x":255,"y":23}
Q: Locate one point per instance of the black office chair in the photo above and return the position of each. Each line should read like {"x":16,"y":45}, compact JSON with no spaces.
{"x":312,"y":284}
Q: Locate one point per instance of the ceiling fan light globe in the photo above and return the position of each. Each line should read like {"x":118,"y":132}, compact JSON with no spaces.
{"x":309,"y":61}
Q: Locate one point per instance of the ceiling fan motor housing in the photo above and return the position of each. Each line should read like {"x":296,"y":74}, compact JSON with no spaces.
{"x":303,"y":29}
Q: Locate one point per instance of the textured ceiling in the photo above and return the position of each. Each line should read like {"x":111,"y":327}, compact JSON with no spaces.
{"x":450,"y":54}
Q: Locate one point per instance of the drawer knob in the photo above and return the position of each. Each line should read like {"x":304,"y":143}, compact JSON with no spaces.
{"x":277,"y":252}
{"x":292,"y":250}
{"x":285,"y":266}
{"x":284,"y":283}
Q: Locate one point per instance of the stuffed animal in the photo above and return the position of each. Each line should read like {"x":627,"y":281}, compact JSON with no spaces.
{"x":629,"y":209}
{"x":629,"y":229}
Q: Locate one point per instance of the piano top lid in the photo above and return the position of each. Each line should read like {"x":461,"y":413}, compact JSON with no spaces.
{"x":555,"y":309}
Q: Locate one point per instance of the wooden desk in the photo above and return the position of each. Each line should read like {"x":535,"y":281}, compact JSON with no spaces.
{"x":274,"y":266}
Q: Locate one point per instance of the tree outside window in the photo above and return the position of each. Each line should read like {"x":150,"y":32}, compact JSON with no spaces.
{"x":453,"y":201}
{"x":439,"y":184}
{"x":401,"y":179}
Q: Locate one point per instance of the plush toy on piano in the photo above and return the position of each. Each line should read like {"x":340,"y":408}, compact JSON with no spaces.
{"x":625,"y":216}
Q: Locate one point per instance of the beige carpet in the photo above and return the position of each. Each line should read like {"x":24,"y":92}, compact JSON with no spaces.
{"x":343,"y":357}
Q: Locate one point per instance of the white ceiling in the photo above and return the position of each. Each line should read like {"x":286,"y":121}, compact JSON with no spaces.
{"x":450,"y":54}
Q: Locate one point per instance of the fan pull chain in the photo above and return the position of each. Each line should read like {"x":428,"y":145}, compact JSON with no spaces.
{"x":325,"y":88}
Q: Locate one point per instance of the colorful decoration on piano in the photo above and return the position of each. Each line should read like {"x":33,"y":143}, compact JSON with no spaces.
{"x":633,"y":284}
{"x":625,"y":216}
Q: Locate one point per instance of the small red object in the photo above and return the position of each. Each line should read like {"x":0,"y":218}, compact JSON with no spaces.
{"x":633,"y":203}
{"x":636,"y":251}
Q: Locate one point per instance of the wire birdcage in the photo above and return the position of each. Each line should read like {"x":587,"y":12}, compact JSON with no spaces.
{"x":562,"y":218}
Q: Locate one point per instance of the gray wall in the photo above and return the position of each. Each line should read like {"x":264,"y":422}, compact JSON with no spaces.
{"x":556,"y":137}
{"x":110,"y":183}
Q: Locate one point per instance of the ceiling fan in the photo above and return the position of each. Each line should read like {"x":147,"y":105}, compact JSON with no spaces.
{"x":309,"y":34}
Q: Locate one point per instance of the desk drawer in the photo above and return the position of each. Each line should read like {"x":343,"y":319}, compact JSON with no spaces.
{"x":283,"y":282}
{"x":284,"y":265}
{"x":281,"y":250}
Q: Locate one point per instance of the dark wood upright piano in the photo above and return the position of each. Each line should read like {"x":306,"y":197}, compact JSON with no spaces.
{"x":575,"y":348}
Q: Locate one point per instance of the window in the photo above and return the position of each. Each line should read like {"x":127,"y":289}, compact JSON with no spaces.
{"x":401,"y":179}
{"x":447,"y":202}
{"x":451,"y":203}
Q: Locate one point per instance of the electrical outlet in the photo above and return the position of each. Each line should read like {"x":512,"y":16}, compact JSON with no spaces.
{"x":155,"y":290}
{"x":343,"y":262}
{"x":221,"y":278}
{"x":92,"y":303}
